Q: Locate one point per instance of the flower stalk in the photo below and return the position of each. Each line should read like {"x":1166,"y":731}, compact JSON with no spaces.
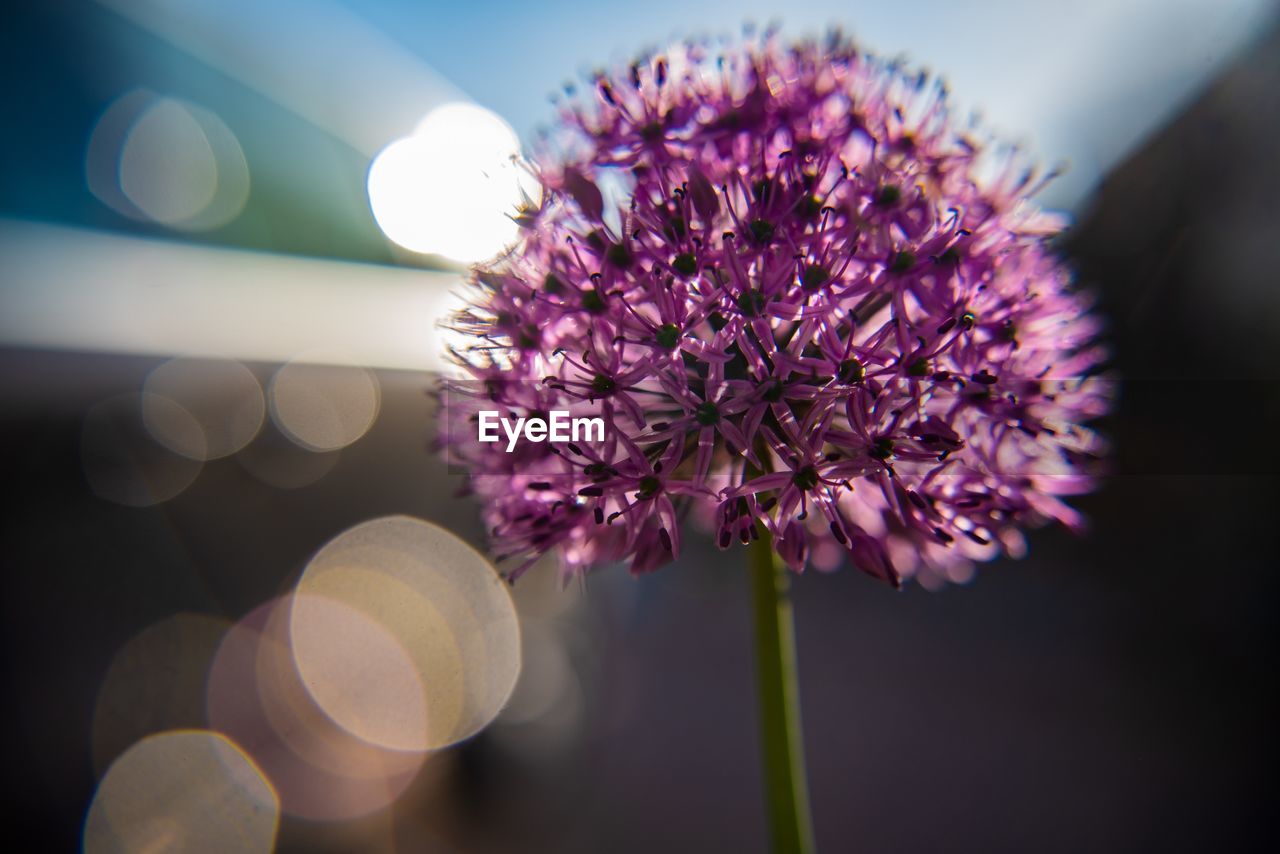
{"x":781,"y":734}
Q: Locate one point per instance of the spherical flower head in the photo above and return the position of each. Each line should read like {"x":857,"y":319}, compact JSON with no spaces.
{"x":804,"y":300}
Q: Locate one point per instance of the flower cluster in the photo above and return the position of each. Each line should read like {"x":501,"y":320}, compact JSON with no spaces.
{"x":807,"y":303}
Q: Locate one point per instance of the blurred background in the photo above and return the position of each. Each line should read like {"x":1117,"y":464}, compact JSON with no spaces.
{"x":223,"y":252}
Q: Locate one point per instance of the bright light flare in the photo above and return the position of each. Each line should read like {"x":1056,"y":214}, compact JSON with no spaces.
{"x":452,"y":187}
{"x":69,"y":288}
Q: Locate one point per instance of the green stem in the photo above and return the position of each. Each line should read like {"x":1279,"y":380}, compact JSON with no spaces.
{"x":781,"y":739}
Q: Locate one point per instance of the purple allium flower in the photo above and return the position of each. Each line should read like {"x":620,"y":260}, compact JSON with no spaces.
{"x":803,"y":298}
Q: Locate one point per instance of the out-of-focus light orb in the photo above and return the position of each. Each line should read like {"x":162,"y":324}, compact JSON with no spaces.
{"x":321,"y":771}
{"x":102,"y":154}
{"x":359,"y":673}
{"x":222,"y":396}
{"x":324,"y":407}
{"x":548,"y":683}
{"x":278,"y":461}
{"x":167,"y":167}
{"x":452,"y":187}
{"x":445,"y":605}
{"x":155,"y":683}
{"x":124,"y":464}
{"x":545,"y":714}
{"x":168,"y":161}
{"x":182,"y":791}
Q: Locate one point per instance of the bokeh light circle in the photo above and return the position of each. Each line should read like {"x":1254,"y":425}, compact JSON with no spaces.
{"x":222,"y":395}
{"x":168,"y":161}
{"x":445,"y":605}
{"x":156,"y":682}
{"x":167,"y":167}
{"x":358,"y":672}
{"x":276,"y":460}
{"x":123,"y":463}
{"x":321,"y":772}
{"x":182,"y":791}
{"x":324,"y":407}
